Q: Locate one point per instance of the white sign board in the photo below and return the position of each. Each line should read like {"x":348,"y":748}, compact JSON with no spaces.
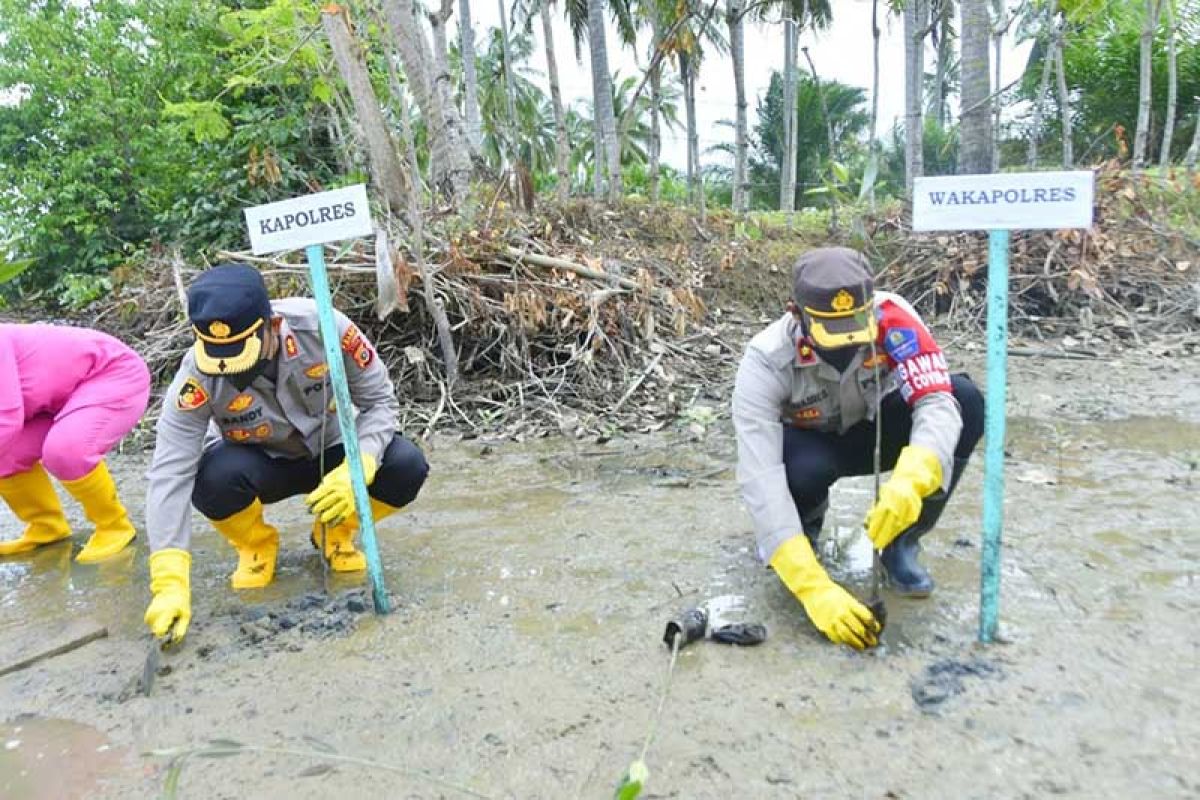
{"x":1004,"y":201}
{"x":310,"y":219}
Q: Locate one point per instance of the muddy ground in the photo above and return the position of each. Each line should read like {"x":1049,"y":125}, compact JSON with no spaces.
{"x":532,"y":583}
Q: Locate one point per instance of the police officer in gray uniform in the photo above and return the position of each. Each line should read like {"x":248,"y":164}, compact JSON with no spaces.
{"x":244,"y":423}
{"x":844,"y":364}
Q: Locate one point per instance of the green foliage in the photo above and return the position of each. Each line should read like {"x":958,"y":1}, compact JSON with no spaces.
{"x":633,"y":781}
{"x":12,"y":269}
{"x":1102,"y":65}
{"x":939,"y":147}
{"x":672,"y":187}
{"x":205,"y":119}
{"x":530,"y":136}
{"x":128,"y":141}
{"x":634,"y":139}
{"x":75,"y":290}
{"x":850,"y":120}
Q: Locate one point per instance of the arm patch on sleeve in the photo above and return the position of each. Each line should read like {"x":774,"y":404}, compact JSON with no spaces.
{"x":902,"y":343}
{"x":191,"y":395}
{"x":354,"y":344}
{"x":919,"y":364}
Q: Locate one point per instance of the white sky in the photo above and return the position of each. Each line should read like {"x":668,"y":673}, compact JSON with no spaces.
{"x":843,"y":53}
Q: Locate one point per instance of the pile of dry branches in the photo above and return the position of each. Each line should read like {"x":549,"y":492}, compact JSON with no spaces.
{"x":585,"y":319}
{"x":1135,"y":267}
{"x":549,"y":335}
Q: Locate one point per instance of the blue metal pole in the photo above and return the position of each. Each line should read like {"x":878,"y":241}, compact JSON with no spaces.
{"x":993,"y":427}
{"x":345,"y":414}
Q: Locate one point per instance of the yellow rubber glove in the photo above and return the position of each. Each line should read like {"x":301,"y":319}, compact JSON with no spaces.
{"x":170,"y":611}
{"x":333,"y":500}
{"x":918,"y":474}
{"x":832,"y":609}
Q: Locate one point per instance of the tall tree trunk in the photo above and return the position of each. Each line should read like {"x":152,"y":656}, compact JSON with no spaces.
{"x":655,"y":114}
{"x":466,"y":49}
{"x":738,"y":51}
{"x":432,"y":303}
{"x":1164,"y":154}
{"x":1193,"y":152}
{"x":689,"y":104}
{"x":1142,"y":137}
{"x":599,"y":160}
{"x":1049,"y":30}
{"x":998,"y":32}
{"x":831,"y":140}
{"x":874,"y":141}
{"x":1064,"y":101}
{"x":975,"y":126}
{"x":381,"y":150}
{"x":511,"y":124}
{"x":427,"y":78}
{"x":435,"y":306}
{"x":916,"y":14}
{"x":602,"y":98}
{"x":945,"y":50}
{"x":787,"y":168}
{"x":562,"y":147}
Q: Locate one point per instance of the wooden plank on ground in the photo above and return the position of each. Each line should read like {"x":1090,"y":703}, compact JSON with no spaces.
{"x":36,"y":645}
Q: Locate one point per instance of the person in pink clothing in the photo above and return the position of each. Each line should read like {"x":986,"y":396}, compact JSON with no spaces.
{"x":67,"y":396}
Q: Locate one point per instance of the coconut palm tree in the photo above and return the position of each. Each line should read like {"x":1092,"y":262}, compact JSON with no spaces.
{"x":916,"y":28}
{"x":734,"y":18}
{"x":524,"y":10}
{"x":466,"y":49}
{"x":427,"y":76}
{"x":975,"y":134}
{"x":518,"y":124}
{"x":586,"y":18}
{"x":797,"y":15}
{"x":636,"y":139}
{"x":1141,"y":139}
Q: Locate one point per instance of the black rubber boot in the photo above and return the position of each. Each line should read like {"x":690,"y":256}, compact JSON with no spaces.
{"x":905,"y":573}
{"x":813,"y":520}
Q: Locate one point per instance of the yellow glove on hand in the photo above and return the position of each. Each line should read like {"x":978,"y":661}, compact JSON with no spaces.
{"x":333,"y":500}
{"x":831,"y":608}
{"x":171,"y":609}
{"x":917,"y":475}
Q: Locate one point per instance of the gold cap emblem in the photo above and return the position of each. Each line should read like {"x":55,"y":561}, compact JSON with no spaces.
{"x":218,"y":329}
{"x":842,"y":301}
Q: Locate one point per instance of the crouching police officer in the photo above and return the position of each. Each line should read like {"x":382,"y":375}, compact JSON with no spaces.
{"x":806,"y":406}
{"x":243,"y":424}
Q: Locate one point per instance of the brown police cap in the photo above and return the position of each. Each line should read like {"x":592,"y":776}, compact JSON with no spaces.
{"x":834,"y":288}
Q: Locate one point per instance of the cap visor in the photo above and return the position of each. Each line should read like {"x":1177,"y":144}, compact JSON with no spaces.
{"x":834,"y":332}
{"x":227,"y":359}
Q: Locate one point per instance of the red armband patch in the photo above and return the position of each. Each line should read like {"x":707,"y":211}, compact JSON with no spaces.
{"x":918,"y":362}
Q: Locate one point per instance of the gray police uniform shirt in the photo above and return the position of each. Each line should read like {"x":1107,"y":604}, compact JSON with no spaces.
{"x":781,"y":381}
{"x":282,"y":416}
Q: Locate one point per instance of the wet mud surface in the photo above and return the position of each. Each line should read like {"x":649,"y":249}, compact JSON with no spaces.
{"x":531,"y":585}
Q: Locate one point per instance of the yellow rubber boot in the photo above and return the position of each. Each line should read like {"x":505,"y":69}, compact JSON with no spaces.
{"x":97,"y":493}
{"x":257,"y":545}
{"x":339,"y":539}
{"x":31,"y":497}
